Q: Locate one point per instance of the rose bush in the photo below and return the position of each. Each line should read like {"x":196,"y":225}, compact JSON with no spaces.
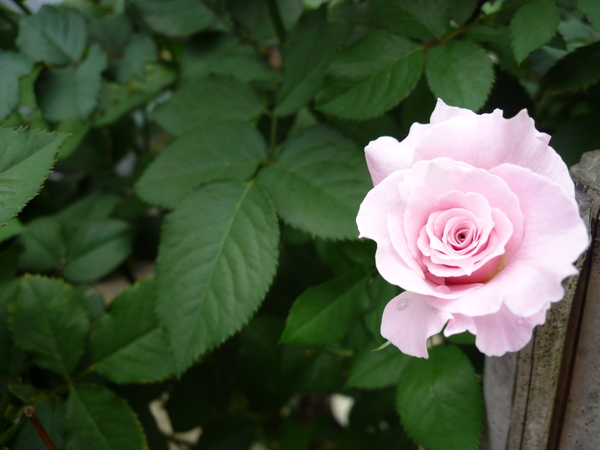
{"x":475,"y":217}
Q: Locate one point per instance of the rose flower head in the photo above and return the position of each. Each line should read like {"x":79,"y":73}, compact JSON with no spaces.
{"x":475,"y":217}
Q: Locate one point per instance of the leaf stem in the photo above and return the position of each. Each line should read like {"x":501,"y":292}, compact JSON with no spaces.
{"x":275,"y":14}
{"x":30,"y":413}
{"x":23,"y":7}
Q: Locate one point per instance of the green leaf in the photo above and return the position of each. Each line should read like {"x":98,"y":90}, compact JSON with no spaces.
{"x":26,"y":158}
{"x":140,"y":50}
{"x":175,"y":18}
{"x":380,"y":293}
{"x":371,"y":76}
{"x":51,"y":414}
{"x":591,"y":8}
{"x":11,"y":357}
{"x":224,"y":54}
{"x":97,"y":419}
{"x":96,"y":206}
{"x":527,"y":37}
{"x":44,"y":244}
{"x":460,"y":73}
{"x":13,"y":228}
{"x":127,"y":343}
{"x":306,"y":54}
{"x":117,"y":99}
{"x":216,"y":260}
{"x":219,"y":151}
{"x":49,"y":321}
{"x":440,"y":401}
{"x":324,"y":314}
{"x":77,"y":131}
{"x":414,"y":18}
{"x":12,"y":67}
{"x":207,"y":100}
{"x":96,"y":248}
{"x":53,"y":35}
{"x":318,"y":183}
{"x":462,"y":10}
{"x":377,"y":369}
{"x":71,"y":93}
{"x":578,"y":70}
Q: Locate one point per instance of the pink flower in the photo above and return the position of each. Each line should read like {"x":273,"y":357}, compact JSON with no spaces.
{"x":475,"y":217}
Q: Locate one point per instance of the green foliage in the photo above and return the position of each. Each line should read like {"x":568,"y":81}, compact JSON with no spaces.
{"x":49,"y":322}
{"x":318,"y":183}
{"x":440,"y":401}
{"x":201,"y":156}
{"x":460,"y":73}
{"x":127,"y":343}
{"x":214,"y":269}
{"x":525,"y":37}
{"x":99,"y":420}
{"x":371,"y":76}
{"x":325,"y":313}
{"x":214,"y":150}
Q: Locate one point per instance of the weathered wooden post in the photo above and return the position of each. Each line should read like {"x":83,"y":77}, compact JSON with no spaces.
{"x":547,"y":396}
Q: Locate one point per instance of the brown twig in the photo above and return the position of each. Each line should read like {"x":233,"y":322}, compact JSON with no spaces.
{"x":30,"y":413}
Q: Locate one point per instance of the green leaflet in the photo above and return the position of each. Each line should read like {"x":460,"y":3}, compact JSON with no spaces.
{"x":525,"y":37}
{"x":460,"y":73}
{"x":371,"y":76}
{"x":318,"y":182}
{"x":217,"y":257}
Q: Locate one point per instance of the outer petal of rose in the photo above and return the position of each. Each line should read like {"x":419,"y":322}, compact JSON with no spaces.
{"x":443,"y":112}
{"x":373,"y":224}
{"x":386,"y":155}
{"x":409,"y":325}
{"x":553,"y":239}
{"x":504,"y":331}
{"x":489,"y":140}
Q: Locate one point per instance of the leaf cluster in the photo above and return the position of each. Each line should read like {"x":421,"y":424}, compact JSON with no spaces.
{"x":186,"y":176}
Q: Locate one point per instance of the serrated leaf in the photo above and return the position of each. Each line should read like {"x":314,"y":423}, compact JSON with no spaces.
{"x":175,"y":18}
{"x":371,"y":76}
{"x":97,"y":419}
{"x":591,"y":8}
{"x":377,"y":369}
{"x":140,"y":50}
{"x":527,"y":37}
{"x":71,"y":93}
{"x":12,"y":67}
{"x":216,"y":260}
{"x":224,"y":54}
{"x":460,"y":73}
{"x":462,"y":10}
{"x":95,"y":248}
{"x":318,"y":183}
{"x":49,"y":322}
{"x":324,"y":313}
{"x":578,"y":70}
{"x":207,"y":100}
{"x":26,"y":158}
{"x":414,"y":18}
{"x":53,"y":35}
{"x":127,"y":343}
{"x":440,"y":401}
{"x":44,"y":245}
{"x":216,"y":151}
{"x":117,"y":99}
{"x":306,"y":53}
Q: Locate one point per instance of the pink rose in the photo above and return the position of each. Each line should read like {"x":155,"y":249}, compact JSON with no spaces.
{"x":475,"y":217}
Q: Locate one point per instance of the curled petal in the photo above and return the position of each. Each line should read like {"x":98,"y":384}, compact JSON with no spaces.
{"x":408,"y":321}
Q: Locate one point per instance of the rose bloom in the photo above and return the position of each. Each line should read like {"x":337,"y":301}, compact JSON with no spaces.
{"x":475,"y":217}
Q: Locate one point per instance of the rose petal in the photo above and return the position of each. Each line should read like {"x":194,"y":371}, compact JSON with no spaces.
{"x":408,"y":321}
{"x":488,"y":140}
{"x":505,"y":332}
{"x":386,"y":155}
{"x":443,"y":112}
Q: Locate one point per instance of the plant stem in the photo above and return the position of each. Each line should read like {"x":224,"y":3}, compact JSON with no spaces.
{"x":22,"y":6}
{"x":275,"y":14}
{"x":30,"y":413}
